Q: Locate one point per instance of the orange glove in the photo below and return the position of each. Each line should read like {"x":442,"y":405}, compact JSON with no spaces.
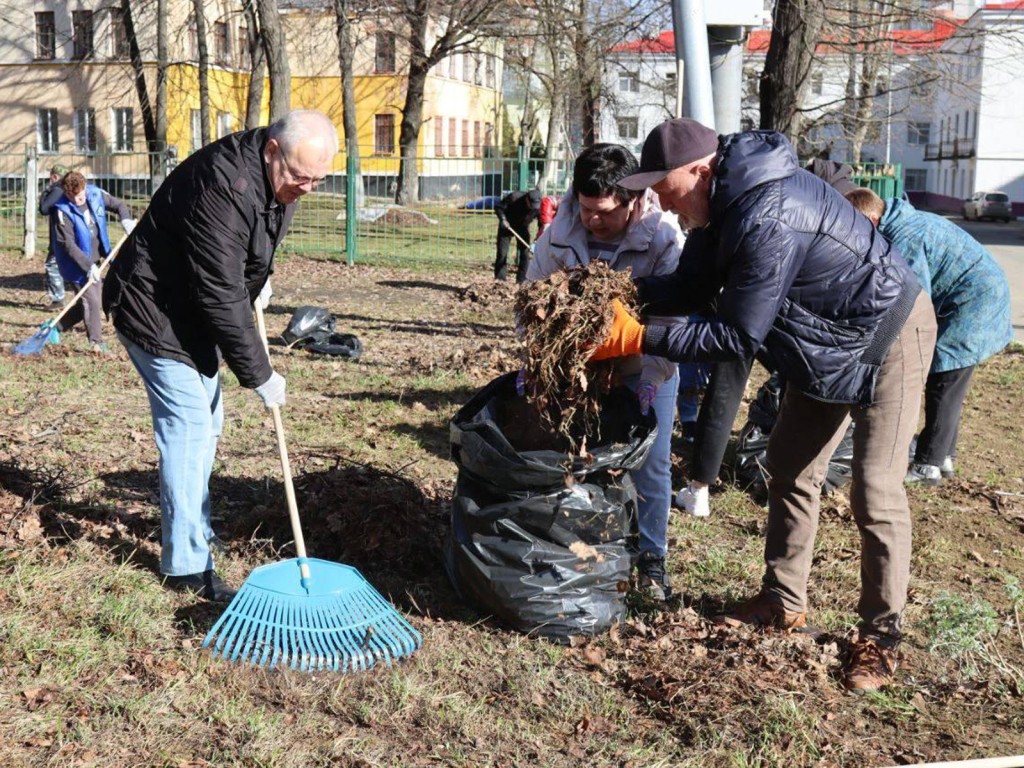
{"x":625,"y":338}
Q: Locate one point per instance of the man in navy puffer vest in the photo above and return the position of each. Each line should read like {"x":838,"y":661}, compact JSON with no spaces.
{"x":792,"y":267}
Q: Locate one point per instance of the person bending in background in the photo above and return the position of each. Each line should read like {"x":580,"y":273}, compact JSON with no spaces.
{"x":79,"y":223}
{"x":599,"y":220}
{"x":972,"y":305}
{"x":515,"y":212}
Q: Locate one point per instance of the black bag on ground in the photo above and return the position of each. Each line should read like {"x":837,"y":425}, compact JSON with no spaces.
{"x":542,"y":555}
{"x":753,"y":445}
{"x":338,"y":345}
{"x":309,"y":325}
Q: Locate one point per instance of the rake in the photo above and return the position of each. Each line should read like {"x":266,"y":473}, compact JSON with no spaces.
{"x":35,"y":344}
{"x":306,"y":613}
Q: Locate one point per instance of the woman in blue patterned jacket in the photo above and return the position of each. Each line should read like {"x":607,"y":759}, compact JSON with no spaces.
{"x":972,"y":305}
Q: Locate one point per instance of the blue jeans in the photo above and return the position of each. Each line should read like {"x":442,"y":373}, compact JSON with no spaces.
{"x":692,"y":378}
{"x":54,"y":282}
{"x":653,"y":479}
{"x":187,"y":419}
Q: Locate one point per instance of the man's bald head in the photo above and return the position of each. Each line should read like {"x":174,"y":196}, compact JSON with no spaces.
{"x":300,"y":149}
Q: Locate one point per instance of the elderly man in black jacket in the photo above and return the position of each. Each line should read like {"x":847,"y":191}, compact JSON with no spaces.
{"x":793,"y":267}
{"x":180,"y":295}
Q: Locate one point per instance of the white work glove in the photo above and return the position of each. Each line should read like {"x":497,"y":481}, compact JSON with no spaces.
{"x":272,"y":390}
{"x":94,"y":273}
{"x":265,"y":293}
{"x":128,"y":225}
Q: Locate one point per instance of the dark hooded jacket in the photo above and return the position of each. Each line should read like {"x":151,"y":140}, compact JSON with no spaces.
{"x":799,"y":269}
{"x":184,"y":283}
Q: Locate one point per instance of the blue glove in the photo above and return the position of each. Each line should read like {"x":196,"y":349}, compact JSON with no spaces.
{"x":645,"y":392}
{"x":521,"y":382}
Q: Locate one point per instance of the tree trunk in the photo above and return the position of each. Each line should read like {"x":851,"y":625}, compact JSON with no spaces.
{"x":160,"y":119}
{"x":412,"y":119}
{"x":257,"y":68}
{"x":796,"y":29}
{"x":204,"y":71}
{"x":346,"y":56}
{"x":277,"y":58}
{"x":138,"y":70}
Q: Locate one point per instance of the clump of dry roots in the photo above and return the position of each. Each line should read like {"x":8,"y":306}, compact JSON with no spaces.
{"x":562,"y":319}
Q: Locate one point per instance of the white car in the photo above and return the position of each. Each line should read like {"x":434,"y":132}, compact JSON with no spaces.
{"x":988,"y":205}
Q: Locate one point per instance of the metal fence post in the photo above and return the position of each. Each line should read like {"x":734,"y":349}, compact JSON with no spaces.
{"x":31,"y":200}
{"x":524,"y":168}
{"x":351,"y":174}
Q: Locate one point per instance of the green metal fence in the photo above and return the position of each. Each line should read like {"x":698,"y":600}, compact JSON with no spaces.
{"x":884,"y":179}
{"x":452,"y":221}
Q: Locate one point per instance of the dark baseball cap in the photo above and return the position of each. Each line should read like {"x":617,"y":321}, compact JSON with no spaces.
{"x":671,"y":145}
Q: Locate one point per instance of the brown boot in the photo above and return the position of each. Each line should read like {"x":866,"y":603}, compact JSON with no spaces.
{"x":870,"y":667}
{"x":763,"y":610}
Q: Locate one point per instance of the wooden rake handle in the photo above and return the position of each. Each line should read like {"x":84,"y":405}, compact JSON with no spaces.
{"x":286,"y":467}
{"x":81,"y":293}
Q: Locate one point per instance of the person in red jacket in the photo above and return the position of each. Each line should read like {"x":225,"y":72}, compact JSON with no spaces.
{"x":548,"y":209}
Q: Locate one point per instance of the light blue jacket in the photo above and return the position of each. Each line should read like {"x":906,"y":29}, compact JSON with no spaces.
{"x":967,"y":286}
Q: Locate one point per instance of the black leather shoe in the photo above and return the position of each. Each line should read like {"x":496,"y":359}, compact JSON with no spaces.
{"x":206,"y":584}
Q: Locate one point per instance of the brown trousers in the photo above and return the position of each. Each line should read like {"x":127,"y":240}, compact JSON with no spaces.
{"x":801,"y":443}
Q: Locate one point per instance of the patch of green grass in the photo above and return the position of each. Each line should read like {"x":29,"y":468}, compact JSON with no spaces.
{"x":957,"y":628}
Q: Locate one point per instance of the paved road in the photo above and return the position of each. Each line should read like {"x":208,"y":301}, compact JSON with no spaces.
{"x":1006,"y":243}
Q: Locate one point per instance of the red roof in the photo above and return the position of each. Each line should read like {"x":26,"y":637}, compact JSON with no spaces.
{"x":1016,"y":6}
{"x":906,"y":41}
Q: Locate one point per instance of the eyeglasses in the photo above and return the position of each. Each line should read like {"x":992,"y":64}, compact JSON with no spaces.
{"x":312,"y":181}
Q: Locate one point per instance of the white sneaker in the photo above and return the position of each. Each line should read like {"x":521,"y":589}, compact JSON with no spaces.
{"x":694,"y":501}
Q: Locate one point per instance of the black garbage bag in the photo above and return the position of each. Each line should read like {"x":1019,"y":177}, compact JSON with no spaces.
{"x":541,"y":553}
{"x":308,"y":325}
{"x":753,"y":445}
{"x":338,"y":345}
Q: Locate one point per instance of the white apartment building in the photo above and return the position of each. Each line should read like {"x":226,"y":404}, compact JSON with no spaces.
{"x":952,"y":116}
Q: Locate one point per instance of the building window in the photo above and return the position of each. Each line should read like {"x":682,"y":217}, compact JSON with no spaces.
{"x":124,"y":130}
{"x":225,"y":124}
{"x":196,"y":125}
{"x":384,"y":60}
{"x":384,"y":134}
{"x":453,"y":68}
{"x":119,"y":48}
{"x":46,"y":36}
{"x":81,"y":23}
{"x":489,"y":71}
{"x":918,"y":133}
{"x":628,"y":127}
{"x":439,"y":137}
{"x":47,"y":139}
{"x":453,"y":147}
{"x":476,"y":139}
{"x":465,"y":138}
{"x":192,"y":37}
{"x":817,"y":83}
{"x":488,"y":135}
{"x":85,"y":130}
{"x":243,"y":46}
{"x":916,"y":179}
{"x":629,"y":82}
{"x":221,"y":43}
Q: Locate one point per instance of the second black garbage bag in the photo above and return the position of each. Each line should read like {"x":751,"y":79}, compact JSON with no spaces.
{"x":542,"y":540}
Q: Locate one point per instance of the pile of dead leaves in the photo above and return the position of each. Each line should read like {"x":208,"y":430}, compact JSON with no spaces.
{"x":488,"y":292}
{"x":562,"y":319}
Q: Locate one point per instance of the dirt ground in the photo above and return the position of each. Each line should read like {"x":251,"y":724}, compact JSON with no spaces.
{"x":99,"y":665}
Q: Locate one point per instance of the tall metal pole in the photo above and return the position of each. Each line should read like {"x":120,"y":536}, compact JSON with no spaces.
{"x":694,"y":41}
{"x":677,"y":29}
{"x":726,"y":51}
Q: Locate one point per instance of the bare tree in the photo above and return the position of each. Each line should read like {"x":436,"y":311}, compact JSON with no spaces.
{"x":345,"y":24}
{"x":257,"y":65}
{"x":204,"y":70}
{"x":154,"y":119}
{"x":459,"y":26}
{"x":276,"y":49}
{"x":796,"y":30}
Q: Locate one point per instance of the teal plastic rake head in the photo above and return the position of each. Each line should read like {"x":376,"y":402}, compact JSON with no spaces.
{"x":336,"y":622}
{"x":306,"y":613}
